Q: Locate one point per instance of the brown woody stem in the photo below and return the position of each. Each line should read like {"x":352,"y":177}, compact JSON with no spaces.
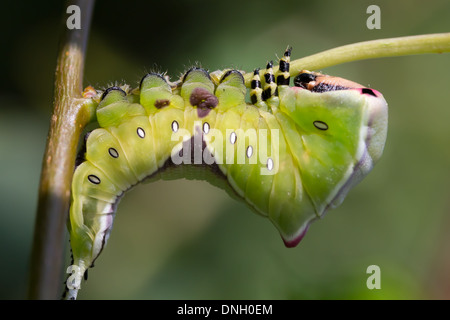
{"x":70,"y":115}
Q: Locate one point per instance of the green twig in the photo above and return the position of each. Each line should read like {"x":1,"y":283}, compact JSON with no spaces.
{"x":430,"y":43}
{"x":70,"y":115}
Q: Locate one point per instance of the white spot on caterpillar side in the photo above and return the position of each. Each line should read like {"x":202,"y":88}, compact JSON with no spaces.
{"x":113,"y":153}
{"x":249,"y":151}
{"x":233,"y":138}
{"x":140,"y":132}
{"x":206,"y":127}
{"x":320,"y":125}
{"x":94,"y":179}
{"x":175,"y":126}
{"x":269,"y":164}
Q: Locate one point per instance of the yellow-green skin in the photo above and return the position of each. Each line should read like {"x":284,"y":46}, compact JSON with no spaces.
{"x":312,"y":169}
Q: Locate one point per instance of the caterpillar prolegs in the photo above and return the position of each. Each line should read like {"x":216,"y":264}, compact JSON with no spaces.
{"x":291,"y":154}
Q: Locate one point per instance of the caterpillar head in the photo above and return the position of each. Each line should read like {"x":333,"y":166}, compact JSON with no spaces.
{"x":343,"y":129}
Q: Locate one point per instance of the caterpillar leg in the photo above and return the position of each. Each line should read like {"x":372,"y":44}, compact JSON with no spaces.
{"x":283,"y":75}
{"x":270,"y":87}
{"x":256,"y":92}
{"x":270,"y":93}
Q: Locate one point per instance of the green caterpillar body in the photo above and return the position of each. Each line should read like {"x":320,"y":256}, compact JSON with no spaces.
{"x":291,"y":154}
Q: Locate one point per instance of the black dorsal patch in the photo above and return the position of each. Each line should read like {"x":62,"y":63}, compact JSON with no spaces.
{"x":161,"y":103}
{"x":203,"y":100}
{"x":303,"y":79}
{"x":368,"y":91}
{"x":326,"y":87}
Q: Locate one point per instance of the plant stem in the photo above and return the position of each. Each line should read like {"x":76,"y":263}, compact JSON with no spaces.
{"x":70,"y":115}
{"x":430,"y":43}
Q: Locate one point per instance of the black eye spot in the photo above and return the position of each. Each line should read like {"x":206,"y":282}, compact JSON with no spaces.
{"x":368,"y":91}
{"x":320,"y":125}
{"x":303,"y":78}
{"x":94,"y":179}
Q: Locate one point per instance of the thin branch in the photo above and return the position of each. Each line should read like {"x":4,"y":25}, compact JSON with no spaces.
{"x":70,"y":115}
{"x":430,"y":43}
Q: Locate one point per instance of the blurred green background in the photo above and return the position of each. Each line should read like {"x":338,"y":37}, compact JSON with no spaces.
{"x":187,"y":239}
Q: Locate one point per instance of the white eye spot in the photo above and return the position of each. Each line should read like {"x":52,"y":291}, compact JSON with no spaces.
{"x":140,"y":132}
{"x":269,"y":164}
{"x":249,"y":151}
{"x":174,"y":126}
{"x":320,"y":125}
{"x":233,"y":138}
{"x":94,"y":179}
{"x":206,"y":127}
